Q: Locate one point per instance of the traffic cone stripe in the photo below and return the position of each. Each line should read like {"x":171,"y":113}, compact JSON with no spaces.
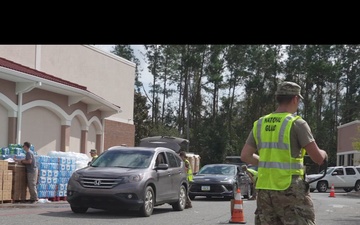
{"x":238,"y":206}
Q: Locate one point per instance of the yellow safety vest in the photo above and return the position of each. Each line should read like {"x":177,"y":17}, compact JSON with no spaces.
{"x":189,"y":172}
{"x":93,"y":158}
{"x":276,"y":165}
{"x":253,"y":172}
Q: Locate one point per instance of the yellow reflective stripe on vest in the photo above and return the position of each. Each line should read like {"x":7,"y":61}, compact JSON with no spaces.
{"x":284,"y":166}
{"x":276,"y":165}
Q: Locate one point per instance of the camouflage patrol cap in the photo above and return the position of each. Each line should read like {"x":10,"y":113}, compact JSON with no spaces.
{"x":289,"y":88}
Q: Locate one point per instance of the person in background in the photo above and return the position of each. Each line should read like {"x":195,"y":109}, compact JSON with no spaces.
{"x":189,"y":176}
{"x":282,"y":139}
{"x":253,"y":177}
{"x":94,"y":155}
{"x":31,"y":172}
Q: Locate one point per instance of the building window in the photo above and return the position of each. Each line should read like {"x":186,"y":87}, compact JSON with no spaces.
{"x":341,"y":160}
{"x":350,"y":160}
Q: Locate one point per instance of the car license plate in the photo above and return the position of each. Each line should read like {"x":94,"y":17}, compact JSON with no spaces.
{"x":205,"y":188}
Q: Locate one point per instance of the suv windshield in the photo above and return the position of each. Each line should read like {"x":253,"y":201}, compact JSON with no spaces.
{"x":124,"y":158}
{"x":328,"y":171}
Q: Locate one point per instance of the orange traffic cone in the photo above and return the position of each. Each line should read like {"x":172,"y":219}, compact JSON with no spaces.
{"x":332,"y":191}
{"x":237,"y":215}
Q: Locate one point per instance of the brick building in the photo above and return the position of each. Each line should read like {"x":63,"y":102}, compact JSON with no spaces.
{"x":348,"y":144}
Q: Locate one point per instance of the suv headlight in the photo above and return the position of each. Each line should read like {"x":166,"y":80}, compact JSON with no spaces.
{"x":308,"y":179}
{"x":133,"y":178}
{"x":76,"y":176}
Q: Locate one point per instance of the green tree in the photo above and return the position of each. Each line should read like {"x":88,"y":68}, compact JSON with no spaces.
{"x":141,"y":117}
{"x":212,"y":94}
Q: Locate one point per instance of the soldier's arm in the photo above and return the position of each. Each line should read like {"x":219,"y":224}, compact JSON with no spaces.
{"x":248,"y":152}
{"x":248,"y":155}
{"x":316,"y":154}
{"x":307,"y":141}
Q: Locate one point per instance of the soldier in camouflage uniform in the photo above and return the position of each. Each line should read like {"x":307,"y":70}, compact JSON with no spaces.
{"x":281,"y":140}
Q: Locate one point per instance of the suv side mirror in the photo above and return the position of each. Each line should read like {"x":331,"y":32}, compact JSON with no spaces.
{"x":162,"y":166}
{"x":335,"y":173}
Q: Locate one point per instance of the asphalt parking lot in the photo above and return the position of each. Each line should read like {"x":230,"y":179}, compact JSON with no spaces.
{"x":64,"y":203}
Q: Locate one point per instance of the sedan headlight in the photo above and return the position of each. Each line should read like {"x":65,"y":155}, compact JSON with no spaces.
{"x":227,"y":180}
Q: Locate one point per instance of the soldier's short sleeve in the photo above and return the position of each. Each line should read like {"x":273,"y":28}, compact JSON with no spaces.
{"x":303,"y":132}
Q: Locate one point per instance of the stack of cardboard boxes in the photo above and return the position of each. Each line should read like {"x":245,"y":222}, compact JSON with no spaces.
{"x":6,"y":179}
{"x":20,"y":191}
{"x":194,"y":160}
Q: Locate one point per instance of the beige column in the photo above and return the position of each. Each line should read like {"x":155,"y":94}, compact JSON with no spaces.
{"x":65,"y":138}
{"x":12,"y":130}
{"x":83,"y":142}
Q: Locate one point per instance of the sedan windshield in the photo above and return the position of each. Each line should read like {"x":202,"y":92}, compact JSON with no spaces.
{"x":124,"y":158}
{"x":217,"y":169}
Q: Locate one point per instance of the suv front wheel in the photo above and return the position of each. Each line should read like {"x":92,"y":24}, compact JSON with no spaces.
{"x":147,"y":208}
{"x":77,"y":209}
{"x":322,"y":186}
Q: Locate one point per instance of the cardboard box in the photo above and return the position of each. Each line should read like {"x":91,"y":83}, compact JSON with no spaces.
{"x":5,"y":195}
{"x":3,"y":165}
{"x":5,"y":185}
{"x":6,"y":180}
{"x":7,"y":175}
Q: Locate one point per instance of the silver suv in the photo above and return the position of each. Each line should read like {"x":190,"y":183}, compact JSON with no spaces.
{"x":345,"y":177}
{"x":135,"y":178}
